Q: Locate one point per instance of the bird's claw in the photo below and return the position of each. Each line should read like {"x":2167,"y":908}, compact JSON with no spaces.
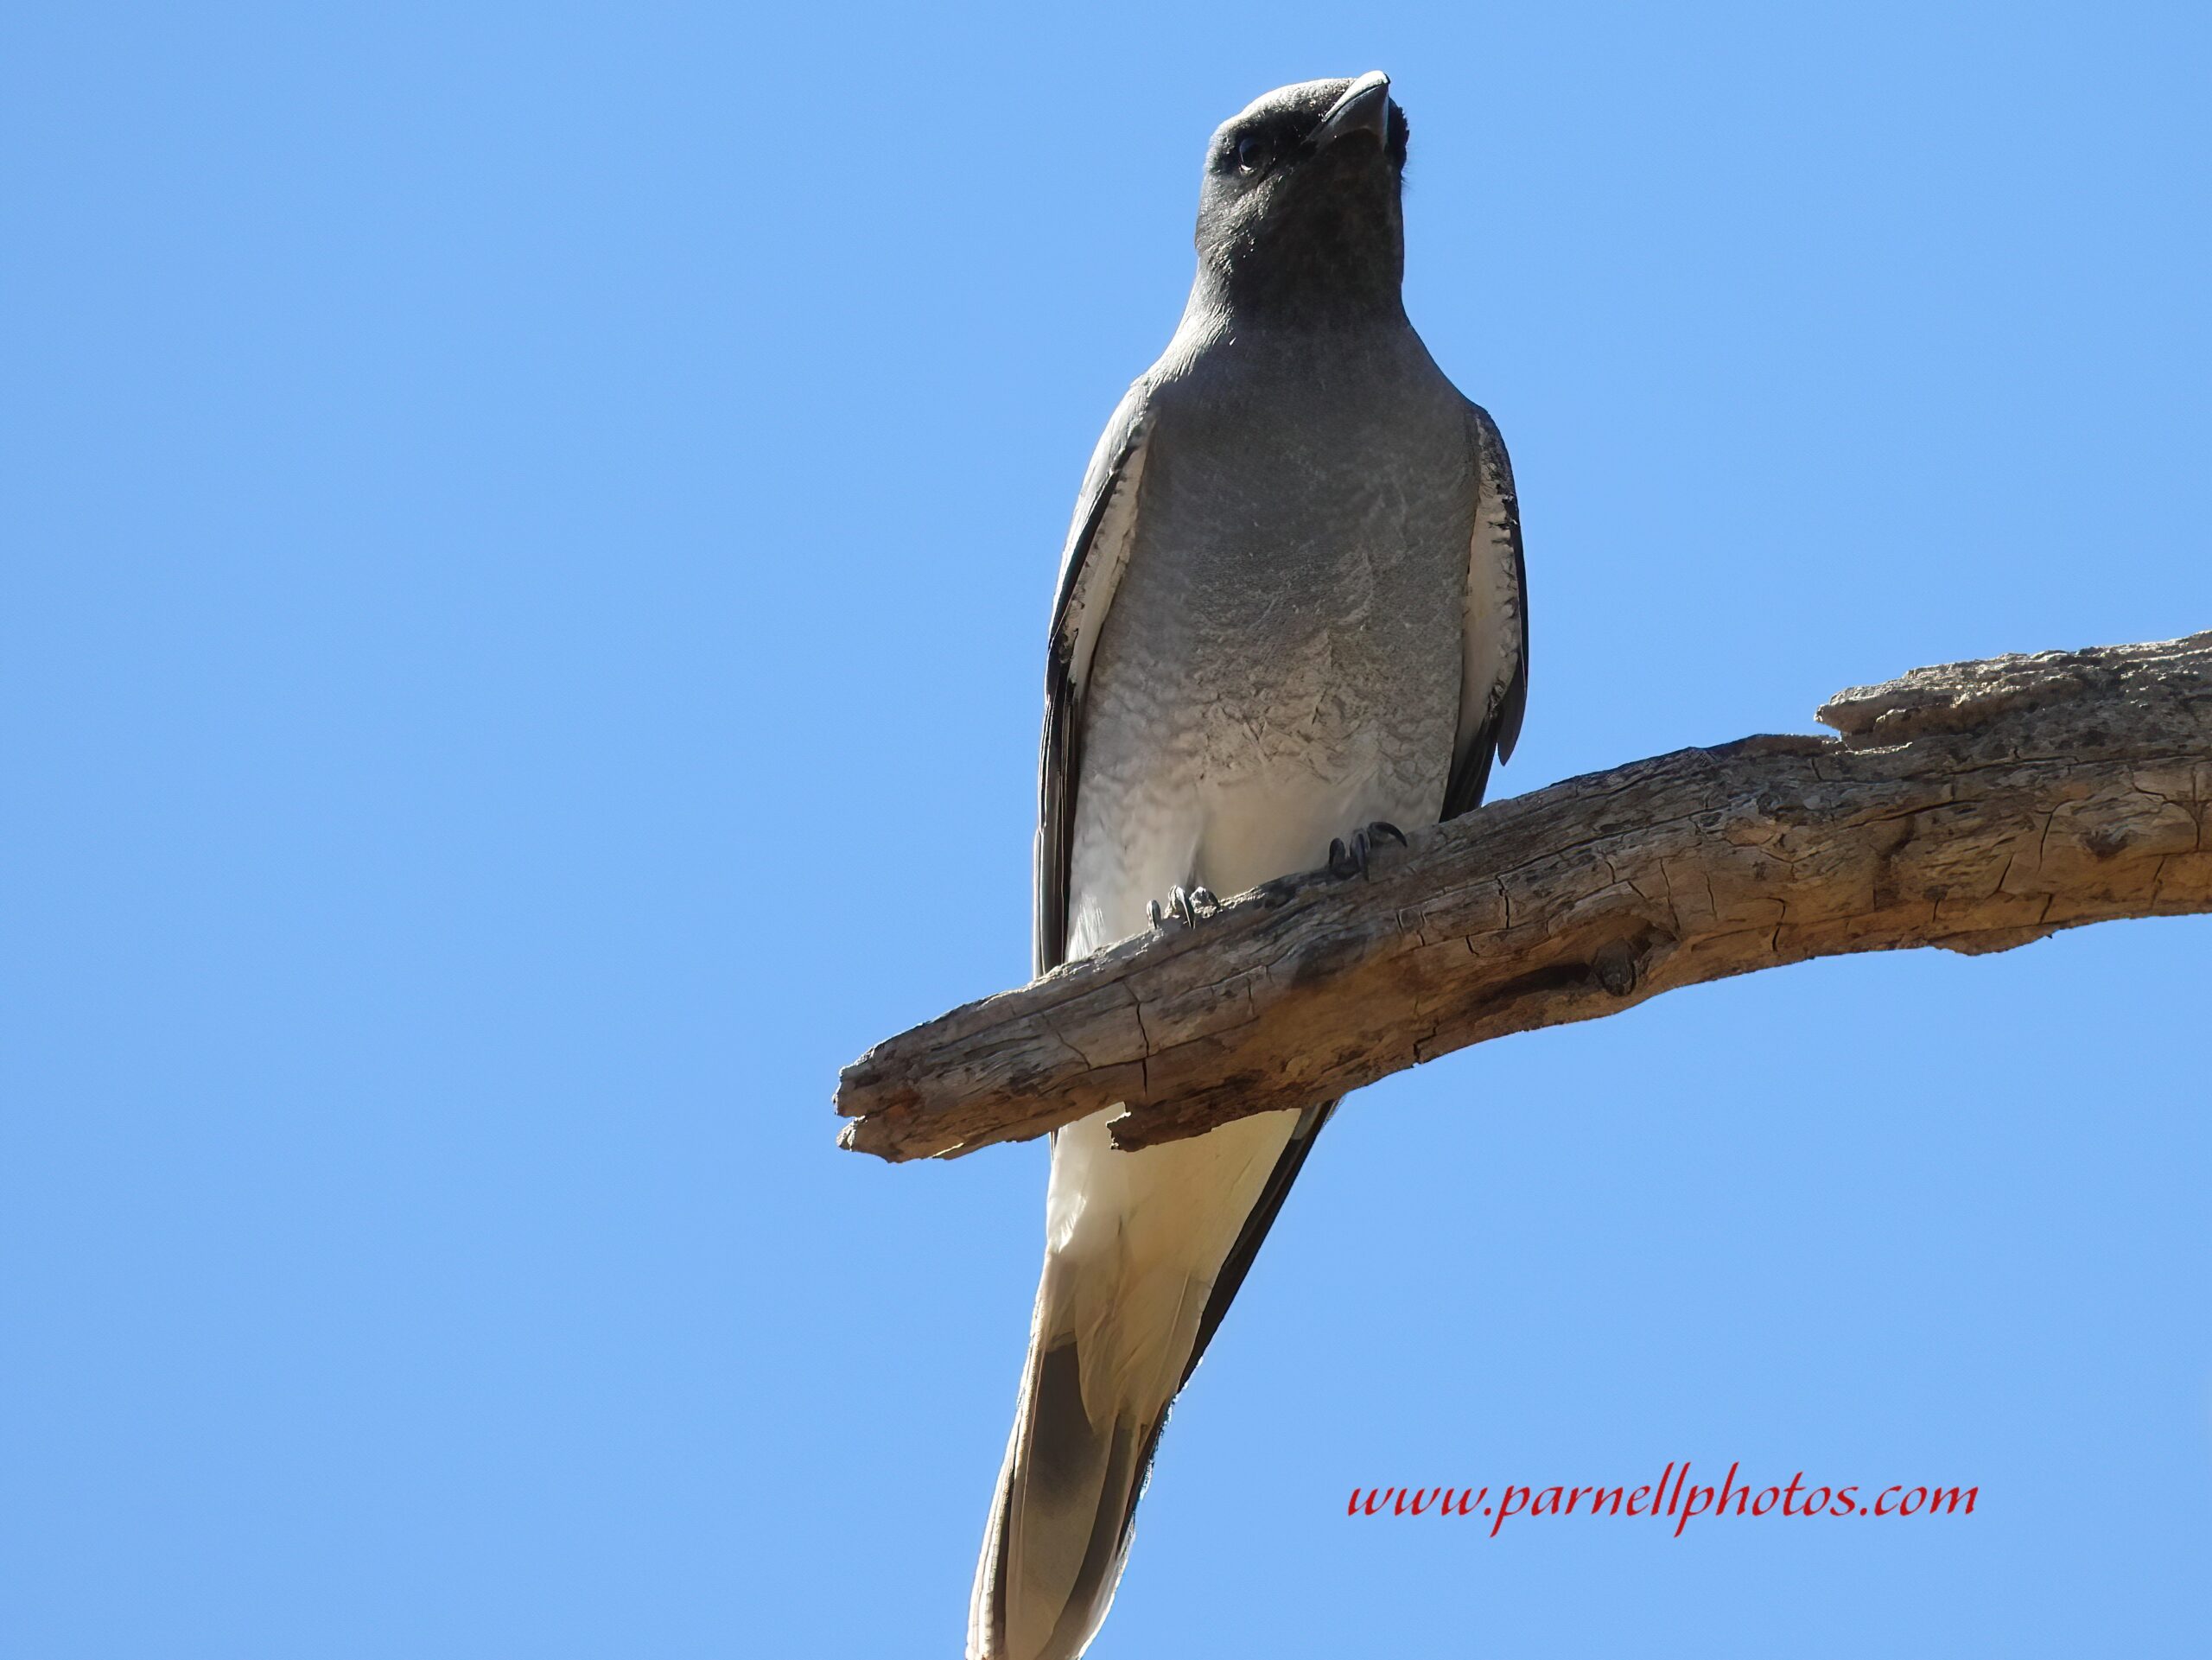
{"x":1185,"y":904}
{"x":1352,"y":860}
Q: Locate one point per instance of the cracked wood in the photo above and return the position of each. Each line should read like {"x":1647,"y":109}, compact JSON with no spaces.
{"x":1976,"y":806}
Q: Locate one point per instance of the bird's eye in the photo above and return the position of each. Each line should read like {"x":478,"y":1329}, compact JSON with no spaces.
{"x":1254,"y":151}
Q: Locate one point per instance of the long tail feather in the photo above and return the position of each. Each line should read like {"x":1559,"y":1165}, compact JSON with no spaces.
{"x":1144,"y":1252}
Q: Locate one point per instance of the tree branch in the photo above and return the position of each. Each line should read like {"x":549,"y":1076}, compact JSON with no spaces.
{"x":1975,"y":806}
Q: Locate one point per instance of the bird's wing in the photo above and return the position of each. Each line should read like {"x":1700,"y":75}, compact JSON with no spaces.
{"x":1090,"y":568}
{"x":1494,"y":675}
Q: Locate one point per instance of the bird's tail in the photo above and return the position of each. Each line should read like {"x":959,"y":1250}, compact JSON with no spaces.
{"x":1143,"y":1252}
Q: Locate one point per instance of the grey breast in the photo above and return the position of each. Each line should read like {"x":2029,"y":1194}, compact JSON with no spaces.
{"x":1295,"y":587}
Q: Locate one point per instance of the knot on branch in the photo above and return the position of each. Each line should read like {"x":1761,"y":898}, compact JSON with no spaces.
{"x":1613,"y":965}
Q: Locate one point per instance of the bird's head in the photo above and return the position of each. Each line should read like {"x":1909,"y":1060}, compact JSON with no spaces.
{"x":1299,"y":208}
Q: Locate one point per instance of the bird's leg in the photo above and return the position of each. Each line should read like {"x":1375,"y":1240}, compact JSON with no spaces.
{"x":1185,"y":904}
{"x":1352,"y":860}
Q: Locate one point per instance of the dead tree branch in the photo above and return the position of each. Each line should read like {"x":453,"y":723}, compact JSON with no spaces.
{"x":1975,"y":806}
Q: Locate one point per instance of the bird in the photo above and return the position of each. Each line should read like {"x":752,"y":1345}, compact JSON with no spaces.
{"x":1290,"y":621}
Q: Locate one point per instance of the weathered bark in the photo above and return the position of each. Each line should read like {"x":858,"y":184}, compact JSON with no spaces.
{"x":1975,"y":806}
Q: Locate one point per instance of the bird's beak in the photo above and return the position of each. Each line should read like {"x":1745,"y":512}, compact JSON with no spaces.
{"x":1365,"y":107}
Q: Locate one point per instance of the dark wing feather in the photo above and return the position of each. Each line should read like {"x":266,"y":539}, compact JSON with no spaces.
{"x":1254,"y":1233}
{"x":1090,"y":568}
{"x":1494,"y":682}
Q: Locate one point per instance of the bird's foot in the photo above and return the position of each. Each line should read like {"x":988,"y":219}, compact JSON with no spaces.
{"x":1352,"y":860}
{"x":1185,"y":904}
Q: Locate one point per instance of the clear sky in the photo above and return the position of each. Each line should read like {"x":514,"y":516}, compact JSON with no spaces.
{"x":528,"y":536}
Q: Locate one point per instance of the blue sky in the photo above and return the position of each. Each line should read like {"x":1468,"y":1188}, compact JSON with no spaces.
{"x":530,"y":533}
